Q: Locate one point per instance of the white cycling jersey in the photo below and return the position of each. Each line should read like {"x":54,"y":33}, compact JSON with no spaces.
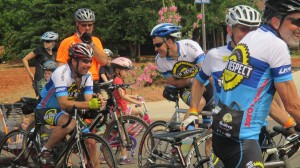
{"x":188,"y":50}
{"x":62,"y":83}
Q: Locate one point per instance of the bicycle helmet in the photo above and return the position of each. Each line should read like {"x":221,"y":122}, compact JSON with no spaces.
{"x":244,"y":15}
{"x":108,"y":52}
{"x":122,"y":63}
{"x":84,"y":15}
{"x":50,"y":35}
{"x":280,"y":8}
{"x":81,"y":50}
{"x":166,"y":29}
{"x":49,"y":65}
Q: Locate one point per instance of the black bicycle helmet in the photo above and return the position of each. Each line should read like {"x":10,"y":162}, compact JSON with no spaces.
{"x":280,"y":8}
{"x":81,"y":50}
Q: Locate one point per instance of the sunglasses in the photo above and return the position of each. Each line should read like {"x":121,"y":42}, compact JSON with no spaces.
{"x":245,"y":28}
{"x":48,"y":41}
{"x":157,"y":45}
{"x":294,"y":21}
{"x":86,"y":25}
{"x":86,"y":61}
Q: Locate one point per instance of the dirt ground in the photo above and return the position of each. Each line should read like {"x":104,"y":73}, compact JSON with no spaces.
{"x":15,"y":83}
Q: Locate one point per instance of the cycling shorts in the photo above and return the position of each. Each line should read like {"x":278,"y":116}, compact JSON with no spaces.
{"x":48,"y":116}
{"x":237,"y":153}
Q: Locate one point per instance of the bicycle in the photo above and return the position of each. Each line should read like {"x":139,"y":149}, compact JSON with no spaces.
{"x":153,"y":149}
{"x":130,"y":128}
{"x":72,"y":152}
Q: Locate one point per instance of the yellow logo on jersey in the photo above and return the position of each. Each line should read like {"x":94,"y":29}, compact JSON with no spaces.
{"x":237,"y":68}
{"x":184,"y":70}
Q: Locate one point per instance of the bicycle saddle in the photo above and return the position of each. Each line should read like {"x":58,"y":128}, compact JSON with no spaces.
{"x":175,"y":137}
{"x":171,"y":93}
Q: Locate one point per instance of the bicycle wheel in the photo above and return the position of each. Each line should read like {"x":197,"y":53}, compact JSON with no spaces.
{"x":149,"y":144}
{"x":14,"y":152}
{"x":96,"y":153}
{"x":135,"y":128}
{"x":191,"y":158}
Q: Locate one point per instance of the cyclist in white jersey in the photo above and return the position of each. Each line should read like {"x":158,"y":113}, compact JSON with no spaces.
{"x":249,"y":80}
{"x":59,"y":96}
{"x":178,"y":61}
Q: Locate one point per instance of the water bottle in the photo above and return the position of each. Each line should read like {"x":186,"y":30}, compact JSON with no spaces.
{"x":186,"y":144}
{"x":85,"y":130}
{"x":44,"y":138}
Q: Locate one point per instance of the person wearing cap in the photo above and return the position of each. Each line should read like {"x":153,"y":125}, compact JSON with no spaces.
{"x":41,"y":55}
{"x":60,"y":94}
{"x":106,"y":72}
{"x":257,"y":67}
{"x":85,"y":19}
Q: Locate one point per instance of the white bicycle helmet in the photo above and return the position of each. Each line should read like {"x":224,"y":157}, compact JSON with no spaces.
{"x":49,"y":65}
{"x":81,"y":50}
{"x":122,"y":63}
{"x":50,"y":35}
{"x":244,"y":15}
{"x":108,"y":52}
{"x":84,"y":15}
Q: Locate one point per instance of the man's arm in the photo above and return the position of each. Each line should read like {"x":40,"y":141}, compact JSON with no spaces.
{"x":289,"y":96}
{"x":178,"y":83}
{"x":100,"y":56}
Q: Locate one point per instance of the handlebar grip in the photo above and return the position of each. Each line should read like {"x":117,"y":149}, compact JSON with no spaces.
{"x":281,"y":130}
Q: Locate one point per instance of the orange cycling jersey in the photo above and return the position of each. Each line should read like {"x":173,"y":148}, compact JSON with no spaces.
{"x":63,"y":56}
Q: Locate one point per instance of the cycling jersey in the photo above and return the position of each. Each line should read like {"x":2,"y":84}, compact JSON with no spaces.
{"x":188,"y":50}
{"x":257,"y":62}
{"x":122,"y":103}
{"x":62,"y":83}
{"x":63,"y":55}
{"x":213,"y":65}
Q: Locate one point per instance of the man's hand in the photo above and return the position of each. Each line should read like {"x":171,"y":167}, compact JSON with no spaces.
{"x":86,"y":38}
{"x":94,"y":104}
{"x":188,"y":121}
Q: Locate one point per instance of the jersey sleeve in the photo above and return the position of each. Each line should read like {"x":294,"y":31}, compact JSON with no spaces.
{"x":196,"y":51}
{"x":205,"y":71}
{"x":280,"y":63}
{"x":88,"y":89}
{"x":59,"y":80}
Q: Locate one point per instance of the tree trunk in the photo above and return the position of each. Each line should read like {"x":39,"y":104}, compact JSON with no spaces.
{"x":214,"y":38}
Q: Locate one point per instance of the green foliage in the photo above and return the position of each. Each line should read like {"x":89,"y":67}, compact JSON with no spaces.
{"x":120,"y":24}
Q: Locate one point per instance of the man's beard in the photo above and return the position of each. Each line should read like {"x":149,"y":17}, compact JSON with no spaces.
{"x":291,"y":39}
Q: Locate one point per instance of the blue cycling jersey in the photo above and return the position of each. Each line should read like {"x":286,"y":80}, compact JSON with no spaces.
{"x":256,"y":63}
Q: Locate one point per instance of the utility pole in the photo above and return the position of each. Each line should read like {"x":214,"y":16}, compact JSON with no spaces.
{"x":202,"y":2}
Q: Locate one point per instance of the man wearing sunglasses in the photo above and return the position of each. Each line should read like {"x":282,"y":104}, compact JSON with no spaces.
{"x":85,"y":19}
{"x":178,"y":61}
{"x":41,"y":55}
{"x":59,"y":96}
{"x":259,"y":65}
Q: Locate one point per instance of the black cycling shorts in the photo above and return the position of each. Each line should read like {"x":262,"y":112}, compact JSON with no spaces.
{"x":237,"y":153}
{"x":48,"y":116}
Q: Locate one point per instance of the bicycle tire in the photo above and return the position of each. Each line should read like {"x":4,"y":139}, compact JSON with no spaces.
{"x":106,"y":157}
{"x":191,"y":155}
{"x":112,"y":136}
{"x":148,"y":143}
{"x":14,"y":146}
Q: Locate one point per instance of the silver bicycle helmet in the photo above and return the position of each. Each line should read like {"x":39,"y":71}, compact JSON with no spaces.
{"x":166,"y":29}
{"x":108,"y":52}
{"x":49,"y":65}
{"x":244,"y":15}
{"x":81,"y":50}
{"x":84,"y":15}
{"x":50,"y":35}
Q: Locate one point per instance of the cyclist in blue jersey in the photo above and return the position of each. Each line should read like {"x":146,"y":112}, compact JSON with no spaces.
{"x":258,"y":66}
{"x":60,"y":95}
{"x":238,"y":25}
